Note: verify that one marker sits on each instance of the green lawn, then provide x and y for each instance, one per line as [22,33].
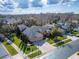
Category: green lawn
[31,49]
[35,54]
[50,41]
[17,41]
[10,49]
[68,40]
[60,38]
[75,33]
[59,44]
[62,42]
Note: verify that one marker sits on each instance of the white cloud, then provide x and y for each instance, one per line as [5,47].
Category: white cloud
[68,5]
[23,11]
[30,0]
[18,10]
[73,0]
[7,2]
[67,2]
[44,2]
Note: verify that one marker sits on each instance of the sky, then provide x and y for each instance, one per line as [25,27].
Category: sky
[38,6]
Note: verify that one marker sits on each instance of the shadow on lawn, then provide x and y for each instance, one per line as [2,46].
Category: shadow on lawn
[23,46]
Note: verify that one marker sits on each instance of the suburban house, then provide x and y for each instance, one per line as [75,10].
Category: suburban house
[47,28]
[3,37]
[33,33]
[22,27]
[63,27]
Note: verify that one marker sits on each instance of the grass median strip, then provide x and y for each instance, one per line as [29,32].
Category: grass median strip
[10,49]
[35,54]
[75,33]
[50,41]
[68,40]
[31,49]
[60,38]
[62,42]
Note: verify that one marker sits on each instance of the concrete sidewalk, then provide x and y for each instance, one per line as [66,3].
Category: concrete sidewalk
[74,56]
[45,47]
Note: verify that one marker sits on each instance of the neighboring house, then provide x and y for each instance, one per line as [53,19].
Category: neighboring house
[33,33]
[9,20]
[36,28]
[63,27]
[47,28]
[22,27]
[2,36]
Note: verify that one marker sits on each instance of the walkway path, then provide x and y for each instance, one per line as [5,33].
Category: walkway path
[33,52]
[44,46]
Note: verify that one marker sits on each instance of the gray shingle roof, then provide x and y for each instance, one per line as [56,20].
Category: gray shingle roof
[33,33]
[22,27]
